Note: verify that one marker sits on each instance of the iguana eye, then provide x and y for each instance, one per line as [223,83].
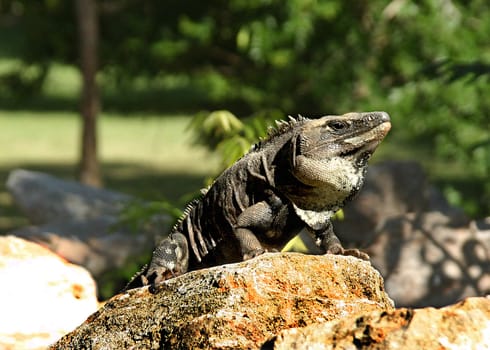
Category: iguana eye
[338,125]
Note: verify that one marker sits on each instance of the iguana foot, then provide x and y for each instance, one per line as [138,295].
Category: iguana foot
[327,240]
[337,249]
[356,253]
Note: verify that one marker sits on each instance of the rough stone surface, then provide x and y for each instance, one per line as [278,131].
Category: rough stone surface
[42,296]
[234,306]
[464,326]
[44,198]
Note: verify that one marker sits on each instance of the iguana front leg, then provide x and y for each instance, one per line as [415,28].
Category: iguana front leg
[329,242]
[259,218]
[256,216]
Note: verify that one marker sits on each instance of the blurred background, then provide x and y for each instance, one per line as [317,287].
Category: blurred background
[151,98]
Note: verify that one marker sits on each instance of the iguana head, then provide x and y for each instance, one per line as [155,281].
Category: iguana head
[329,156]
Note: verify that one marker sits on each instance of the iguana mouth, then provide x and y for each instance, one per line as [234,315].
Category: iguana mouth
[351,152]
[363,150]
[361,154]
[369,141]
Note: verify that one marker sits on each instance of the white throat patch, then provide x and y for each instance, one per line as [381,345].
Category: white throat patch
[317,220]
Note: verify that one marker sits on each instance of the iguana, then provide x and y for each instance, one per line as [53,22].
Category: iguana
[298,177]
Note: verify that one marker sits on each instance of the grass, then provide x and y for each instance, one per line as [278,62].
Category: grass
[149,156]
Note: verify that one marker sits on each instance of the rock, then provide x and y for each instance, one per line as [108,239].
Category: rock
[92,243]
[44,198]
[234,306]
[463,326]
[78,222]
[426,262]
[42,297]
[482,226]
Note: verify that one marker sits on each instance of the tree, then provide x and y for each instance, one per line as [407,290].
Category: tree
[86,13]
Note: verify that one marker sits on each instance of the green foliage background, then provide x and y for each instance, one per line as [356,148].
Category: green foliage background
[426,62]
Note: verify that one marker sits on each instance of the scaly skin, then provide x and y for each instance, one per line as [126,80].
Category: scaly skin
[297,178]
